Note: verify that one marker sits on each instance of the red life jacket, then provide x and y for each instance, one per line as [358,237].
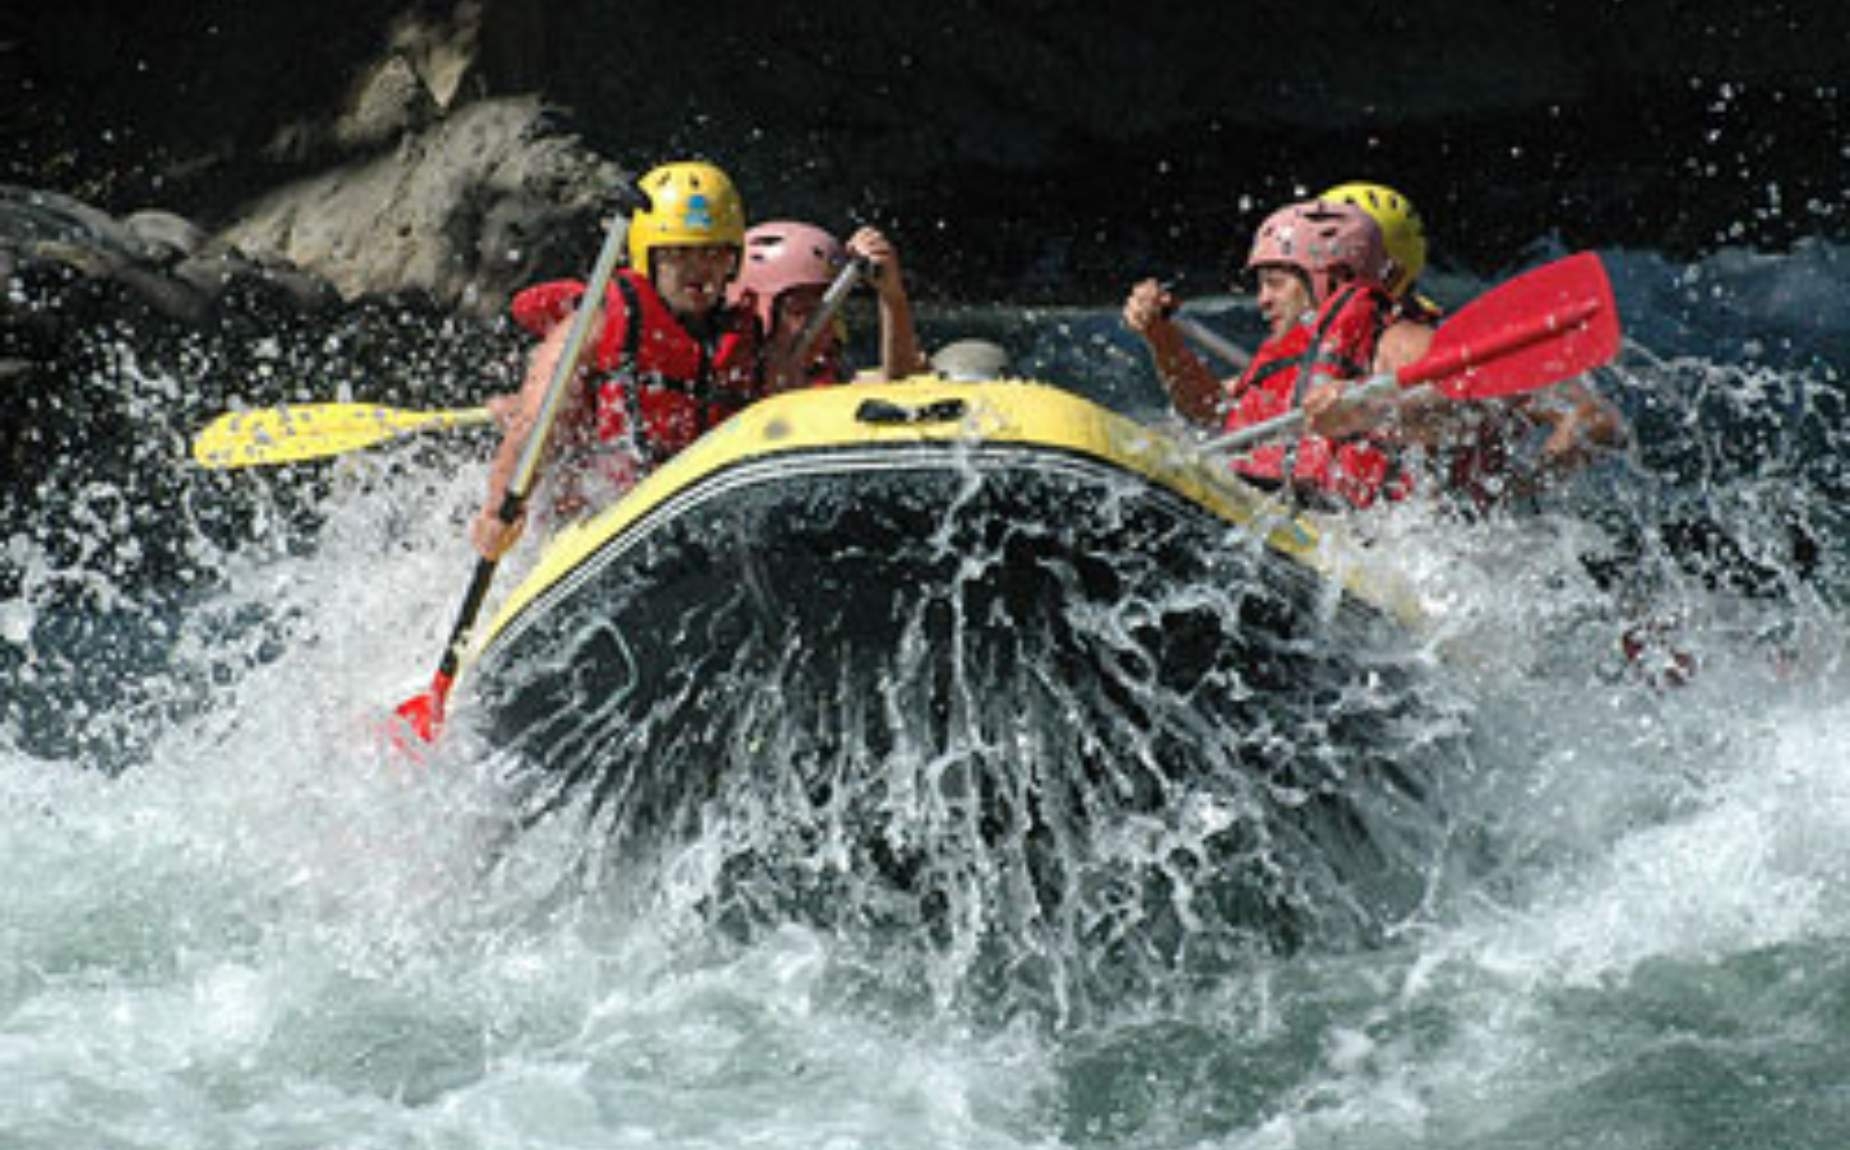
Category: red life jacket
[1338,344]
[655,387]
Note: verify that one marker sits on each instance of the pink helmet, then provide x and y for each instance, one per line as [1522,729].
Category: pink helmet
[782,255]
[1321,238]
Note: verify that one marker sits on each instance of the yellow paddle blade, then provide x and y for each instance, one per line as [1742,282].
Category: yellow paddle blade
[290,434]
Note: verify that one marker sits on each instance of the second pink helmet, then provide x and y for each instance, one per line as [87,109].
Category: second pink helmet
[1321,239]
[782,255]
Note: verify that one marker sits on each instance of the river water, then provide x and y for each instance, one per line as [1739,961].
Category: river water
[231,915]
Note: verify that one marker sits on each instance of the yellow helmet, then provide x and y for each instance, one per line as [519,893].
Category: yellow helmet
[1400,225]
[690,204]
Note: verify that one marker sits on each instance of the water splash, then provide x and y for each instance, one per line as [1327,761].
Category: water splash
[1036,761]
[231,916]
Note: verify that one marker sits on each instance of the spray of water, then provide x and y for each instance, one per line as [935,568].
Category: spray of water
[975,906]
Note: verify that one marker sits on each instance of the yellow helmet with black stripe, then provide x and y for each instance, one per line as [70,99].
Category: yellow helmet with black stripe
[691,203]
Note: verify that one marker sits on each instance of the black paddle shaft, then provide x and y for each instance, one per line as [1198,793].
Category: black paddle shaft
[509,512]
[465,618]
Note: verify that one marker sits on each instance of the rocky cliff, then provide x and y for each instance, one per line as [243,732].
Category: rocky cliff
[1015,148]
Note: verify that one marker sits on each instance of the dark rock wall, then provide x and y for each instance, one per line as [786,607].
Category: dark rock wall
[1014,147]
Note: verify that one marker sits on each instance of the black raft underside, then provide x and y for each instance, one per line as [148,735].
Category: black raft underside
[882,683]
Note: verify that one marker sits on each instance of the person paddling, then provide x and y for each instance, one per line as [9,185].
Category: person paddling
[787,268]
[1469,447]
[1320,267]
[668,359]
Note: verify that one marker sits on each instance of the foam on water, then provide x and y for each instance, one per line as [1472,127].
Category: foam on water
[266,928]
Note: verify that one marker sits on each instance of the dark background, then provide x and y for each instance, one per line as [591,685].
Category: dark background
[1021,150]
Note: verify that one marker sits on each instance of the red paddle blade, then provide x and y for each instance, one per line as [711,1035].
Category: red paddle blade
[1540,328]
[424,713]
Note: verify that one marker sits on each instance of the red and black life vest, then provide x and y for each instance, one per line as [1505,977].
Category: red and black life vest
[655,387]
[1339,343]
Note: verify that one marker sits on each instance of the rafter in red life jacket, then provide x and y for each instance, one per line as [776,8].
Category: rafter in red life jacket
[1339,343]
[654,386]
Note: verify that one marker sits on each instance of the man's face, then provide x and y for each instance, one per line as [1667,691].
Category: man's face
[1283,297]
[692,280]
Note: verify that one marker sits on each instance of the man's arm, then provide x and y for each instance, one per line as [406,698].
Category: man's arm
[1193,389]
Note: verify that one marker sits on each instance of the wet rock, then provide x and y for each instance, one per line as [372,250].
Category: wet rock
[391,100]
[1005,145]
[210,271]
[154,256]
[169,236]
[111,359]
[486,200]
[63,225]
[441,50]
[166,295]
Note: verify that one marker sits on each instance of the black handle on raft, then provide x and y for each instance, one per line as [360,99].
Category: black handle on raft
[881,411]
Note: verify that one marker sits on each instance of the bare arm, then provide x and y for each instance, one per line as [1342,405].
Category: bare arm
[492,537]
[1402,344]
[1420,415]
[1193,388]
[899,342]
[1579,419]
